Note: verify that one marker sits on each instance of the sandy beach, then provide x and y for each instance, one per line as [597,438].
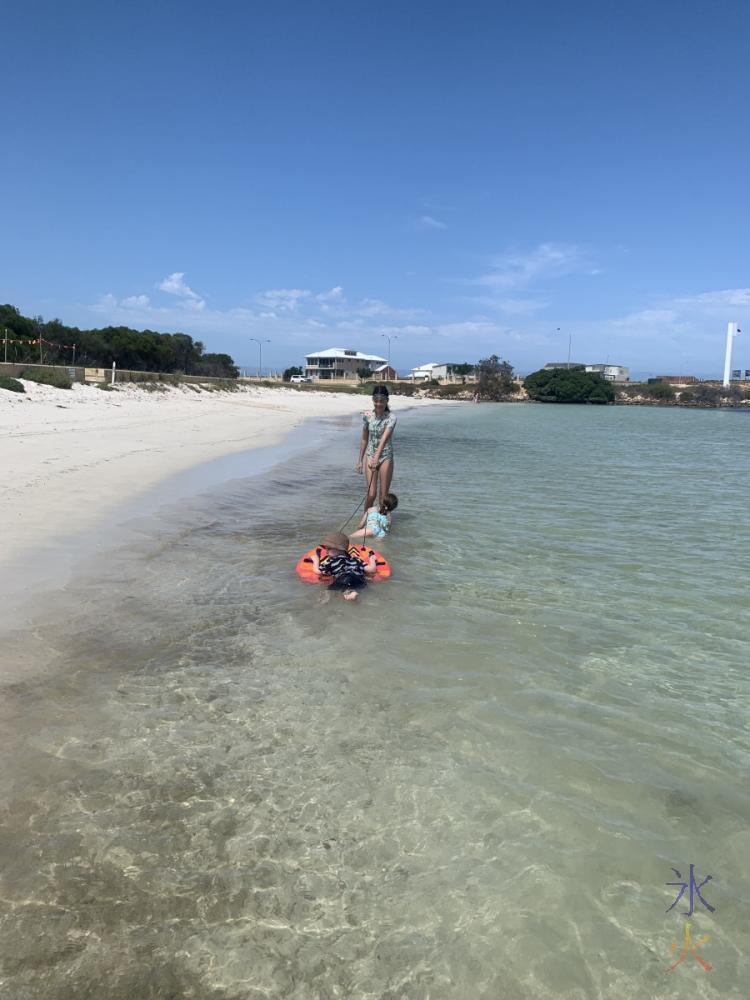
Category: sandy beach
[71,458]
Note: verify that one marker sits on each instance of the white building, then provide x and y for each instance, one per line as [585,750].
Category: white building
[340,363]
[424,372]
[612,373]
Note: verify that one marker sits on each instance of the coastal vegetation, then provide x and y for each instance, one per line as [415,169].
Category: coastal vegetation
[568,385]
[34,340]
[701,394]
[495,379]
[58,378]
[11,384]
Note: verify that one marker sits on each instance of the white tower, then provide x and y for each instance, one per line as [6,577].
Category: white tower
[732,331]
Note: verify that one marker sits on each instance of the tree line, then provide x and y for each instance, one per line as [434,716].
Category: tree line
[139,350]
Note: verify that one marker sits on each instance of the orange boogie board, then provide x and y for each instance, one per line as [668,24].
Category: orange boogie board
[306,572]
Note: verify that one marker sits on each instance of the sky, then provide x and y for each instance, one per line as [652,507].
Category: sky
[465,179]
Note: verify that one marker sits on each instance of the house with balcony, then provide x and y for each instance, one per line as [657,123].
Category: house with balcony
[340,363]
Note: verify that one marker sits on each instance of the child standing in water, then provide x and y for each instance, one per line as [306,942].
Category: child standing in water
[376,522]
[349,572]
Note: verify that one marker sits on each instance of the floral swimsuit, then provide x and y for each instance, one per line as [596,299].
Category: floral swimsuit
[376,428]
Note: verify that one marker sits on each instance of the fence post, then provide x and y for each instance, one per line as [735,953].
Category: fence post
[114,366]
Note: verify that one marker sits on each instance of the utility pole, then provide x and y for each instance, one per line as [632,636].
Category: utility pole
[260,344]
[6,344]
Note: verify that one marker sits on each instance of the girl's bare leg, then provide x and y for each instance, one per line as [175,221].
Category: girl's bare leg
[372,485]
[385,475]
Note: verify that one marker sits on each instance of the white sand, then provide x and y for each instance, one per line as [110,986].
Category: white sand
[69,458]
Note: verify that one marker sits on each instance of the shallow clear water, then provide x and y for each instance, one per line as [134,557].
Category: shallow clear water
[474,783]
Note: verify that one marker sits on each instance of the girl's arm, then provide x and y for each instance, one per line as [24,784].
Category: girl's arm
[371,565]
[316,563]
[363,519]
[362,448]
[387,434]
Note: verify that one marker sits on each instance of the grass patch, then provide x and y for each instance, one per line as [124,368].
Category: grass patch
[11,384]
[152,386]
[44,376]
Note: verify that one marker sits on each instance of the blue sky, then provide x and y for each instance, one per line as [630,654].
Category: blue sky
[467,178]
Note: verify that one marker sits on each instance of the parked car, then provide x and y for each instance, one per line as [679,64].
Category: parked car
[300,378]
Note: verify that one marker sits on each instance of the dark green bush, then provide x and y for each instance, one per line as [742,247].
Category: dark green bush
[57,378]
[687,397]
[12,384]
[562,385]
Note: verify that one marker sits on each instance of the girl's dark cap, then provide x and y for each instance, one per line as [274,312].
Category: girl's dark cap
[380,391]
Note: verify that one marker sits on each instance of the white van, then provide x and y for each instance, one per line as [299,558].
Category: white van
[300,378]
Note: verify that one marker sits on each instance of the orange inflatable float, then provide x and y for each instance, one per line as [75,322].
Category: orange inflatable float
[306,572]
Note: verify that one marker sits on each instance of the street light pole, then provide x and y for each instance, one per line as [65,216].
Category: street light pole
[389,338]
[570,341]
[260,344]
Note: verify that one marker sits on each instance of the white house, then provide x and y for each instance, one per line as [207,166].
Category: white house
[612,373]
[340,363]
[448,371]
[424,372]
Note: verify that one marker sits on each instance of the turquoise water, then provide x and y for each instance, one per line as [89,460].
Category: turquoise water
[474,783]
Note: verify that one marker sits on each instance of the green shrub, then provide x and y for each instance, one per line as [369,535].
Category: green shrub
[12,384]
[659,390]
[563,385]
[731,393]
[454,391]
[55,377]
[706,395]
[104,386]
[687,397]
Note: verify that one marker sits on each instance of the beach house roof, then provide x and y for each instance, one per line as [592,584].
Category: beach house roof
[342,352]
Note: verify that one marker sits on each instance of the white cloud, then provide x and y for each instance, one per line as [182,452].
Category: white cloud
[136,302]
[513,270]
[333,295]
[429,222]
[369,308]
[737,298]
[174,285]
[283,299]
[647,318]
[511,306]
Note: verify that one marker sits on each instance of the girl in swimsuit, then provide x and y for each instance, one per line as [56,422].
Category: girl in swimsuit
[376,522]
[376,446]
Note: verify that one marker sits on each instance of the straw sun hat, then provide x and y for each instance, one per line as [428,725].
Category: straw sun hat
[336,540]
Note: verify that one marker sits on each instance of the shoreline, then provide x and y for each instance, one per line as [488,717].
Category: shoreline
[81,463]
